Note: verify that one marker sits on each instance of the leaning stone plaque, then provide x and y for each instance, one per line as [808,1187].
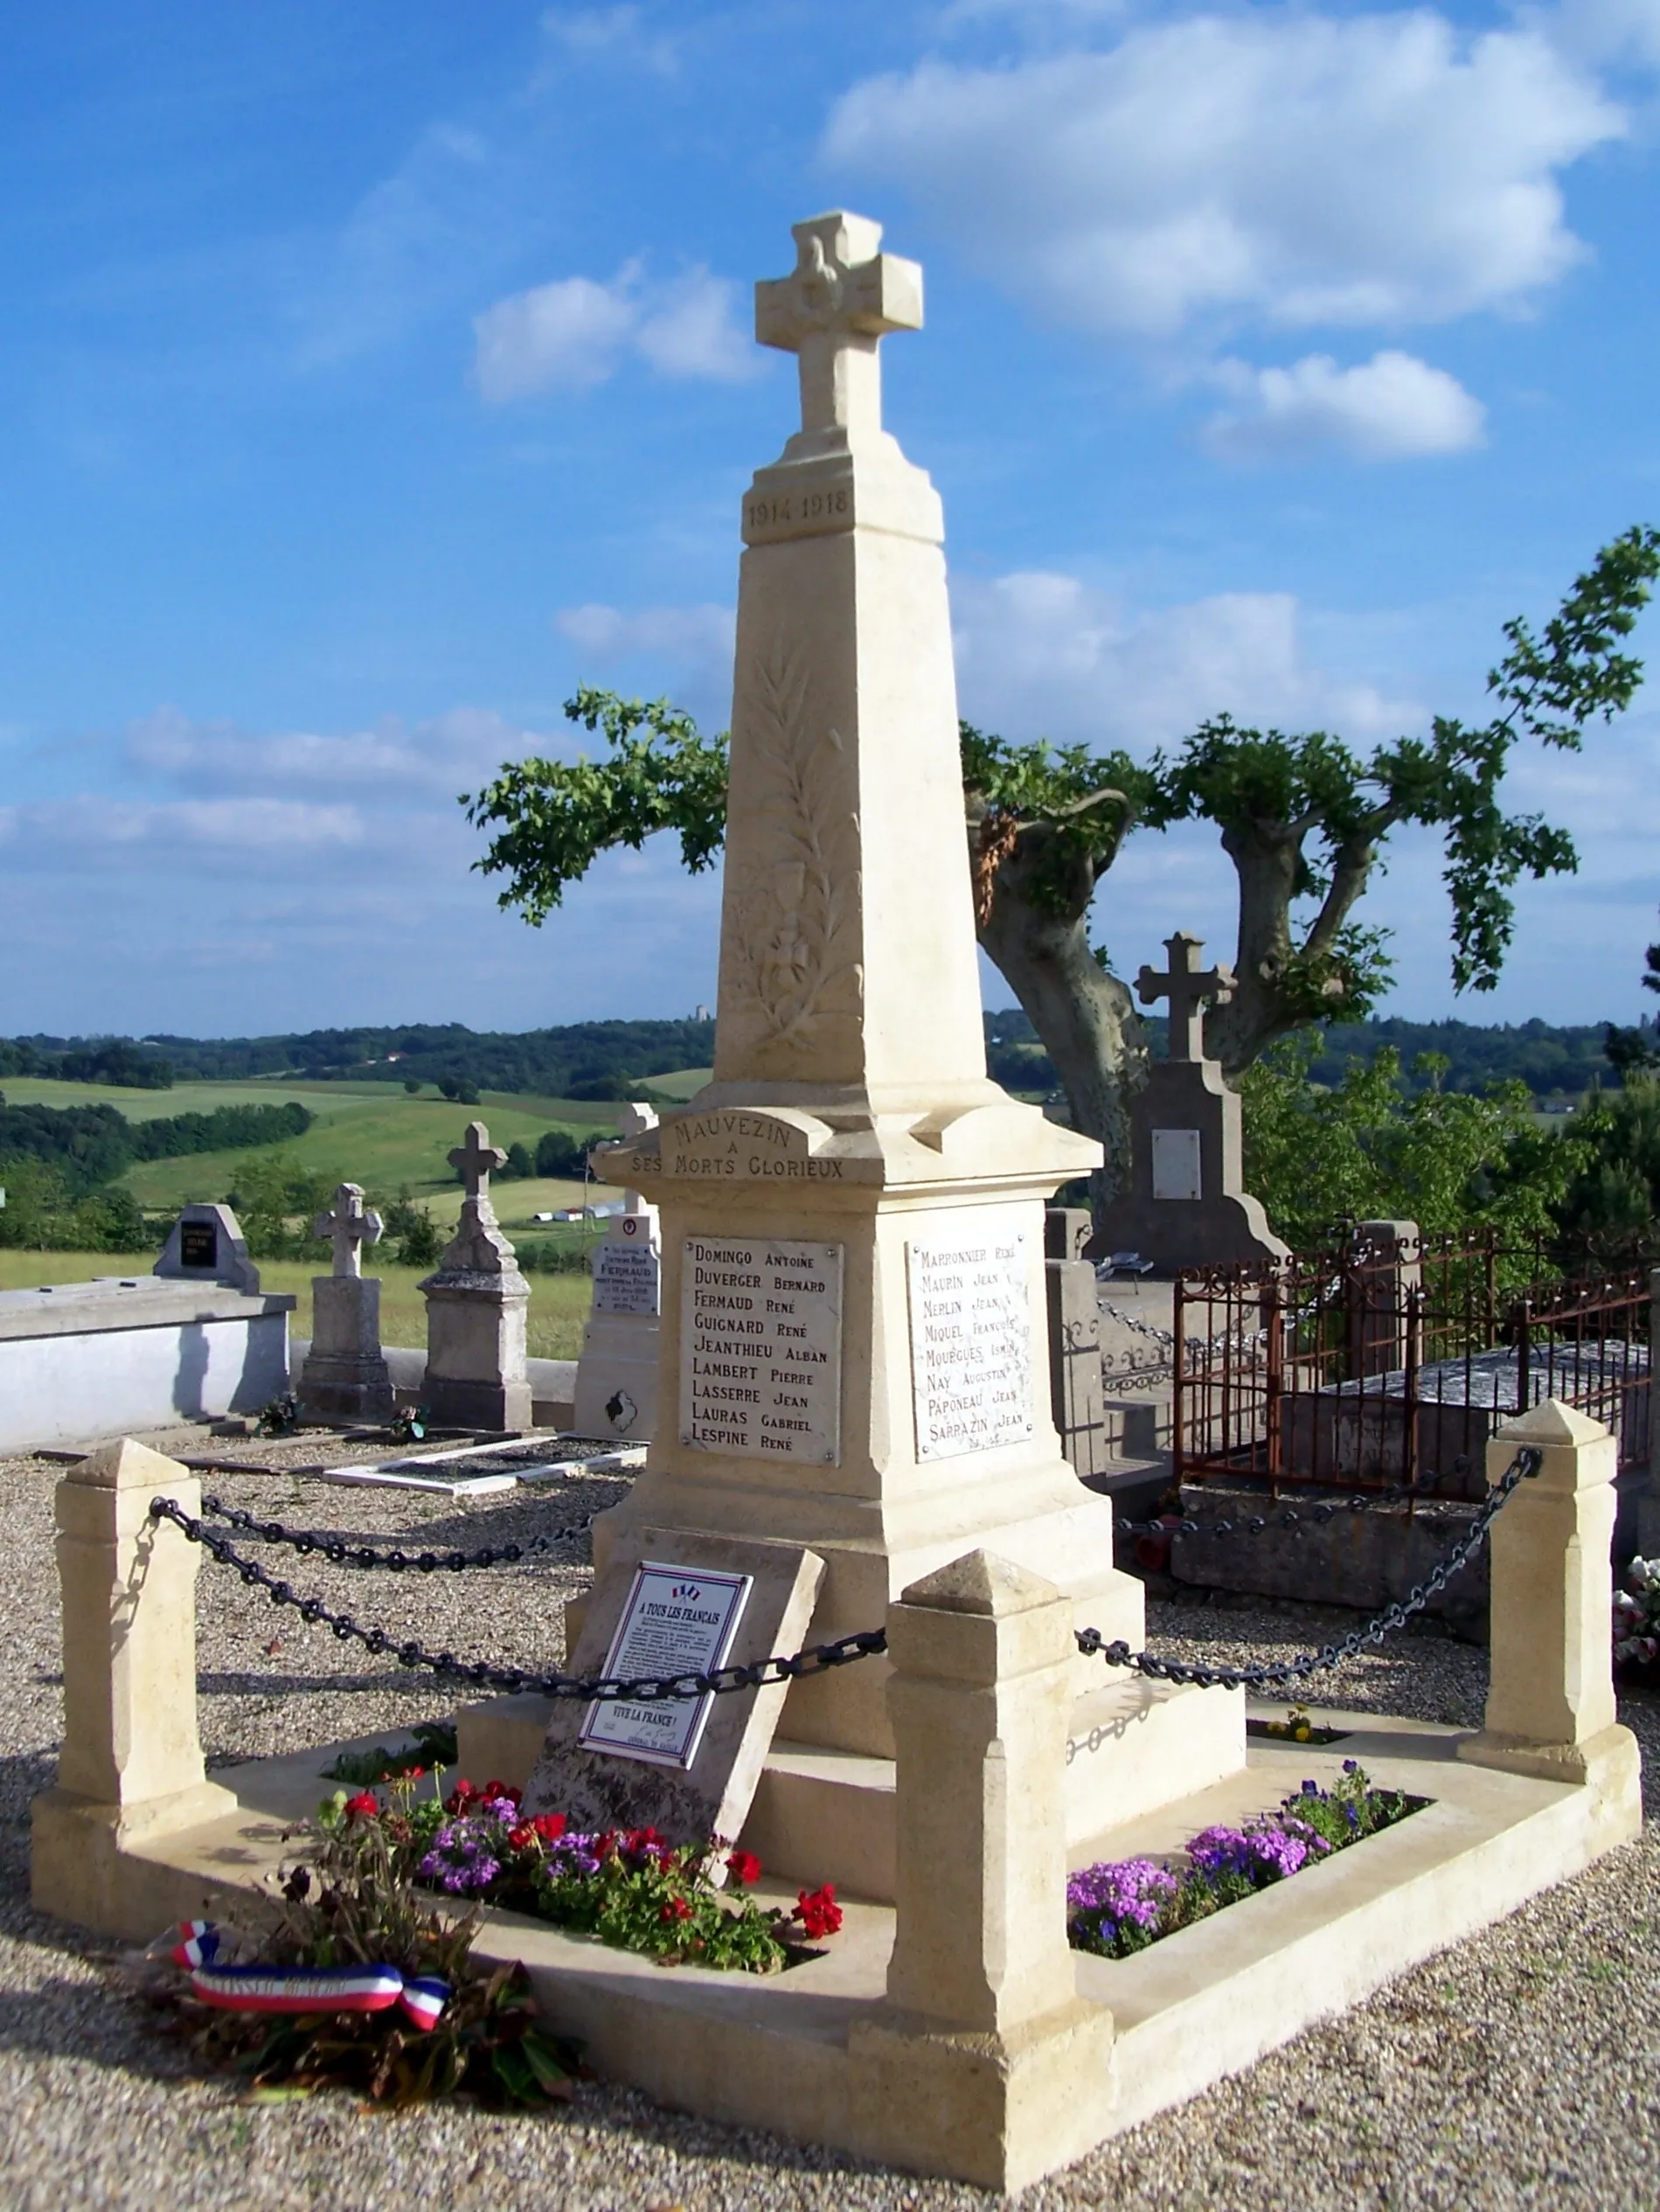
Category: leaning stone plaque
[970,1342]
[677,1620]
[761,1346]
[1176,1163]
[697,1775]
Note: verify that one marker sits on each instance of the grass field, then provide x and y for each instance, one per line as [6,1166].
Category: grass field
[558,1303]
[374,1134]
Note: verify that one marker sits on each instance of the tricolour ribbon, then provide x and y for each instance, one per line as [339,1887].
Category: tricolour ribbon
[304,1989]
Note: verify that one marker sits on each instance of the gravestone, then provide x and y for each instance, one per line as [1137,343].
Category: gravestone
[206,1245]
[476,1372]
[344,1377]
[854,1352]
[1076,1397]
[1184,1203]
[669,1604]
[616,1376]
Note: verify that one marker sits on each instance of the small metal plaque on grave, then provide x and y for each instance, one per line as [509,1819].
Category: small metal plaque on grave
[1176,1163]
[626,1277]
[198,1244]
[678,1620]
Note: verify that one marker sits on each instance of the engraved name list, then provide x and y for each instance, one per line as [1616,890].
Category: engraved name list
[761,1346]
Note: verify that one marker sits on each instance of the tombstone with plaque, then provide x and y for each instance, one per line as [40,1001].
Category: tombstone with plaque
[1184,1202]
[206,1245]
[477,1372]
[616,1375]
[345,1376]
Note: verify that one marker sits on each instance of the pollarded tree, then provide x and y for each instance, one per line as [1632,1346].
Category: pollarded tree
[1302,818]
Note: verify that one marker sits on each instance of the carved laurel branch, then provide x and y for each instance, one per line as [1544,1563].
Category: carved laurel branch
[797,912]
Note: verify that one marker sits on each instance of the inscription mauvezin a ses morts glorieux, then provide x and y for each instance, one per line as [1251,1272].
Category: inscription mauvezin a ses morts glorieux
[761,1346]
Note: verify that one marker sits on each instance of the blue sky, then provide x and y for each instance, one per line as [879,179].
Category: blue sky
[374,375]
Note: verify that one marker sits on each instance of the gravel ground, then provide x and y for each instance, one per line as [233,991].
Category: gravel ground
[1522,2068]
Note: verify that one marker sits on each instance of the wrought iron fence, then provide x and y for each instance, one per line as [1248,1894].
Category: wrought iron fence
[1392,1361]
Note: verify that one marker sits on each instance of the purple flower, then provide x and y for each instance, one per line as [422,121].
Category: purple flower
[461,1858]
[1120,1891]
[1254,1854]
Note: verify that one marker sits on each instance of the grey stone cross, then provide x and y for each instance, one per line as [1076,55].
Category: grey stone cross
[474,1158]
[348,1227]
[840,299]
[1187,988]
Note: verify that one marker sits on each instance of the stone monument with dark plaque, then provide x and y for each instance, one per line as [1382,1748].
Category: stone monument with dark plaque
[669,1604]
[1184,1203]
[206,1245]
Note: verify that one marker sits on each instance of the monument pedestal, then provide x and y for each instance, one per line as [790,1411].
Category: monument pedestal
[477,1372]
[345,1377]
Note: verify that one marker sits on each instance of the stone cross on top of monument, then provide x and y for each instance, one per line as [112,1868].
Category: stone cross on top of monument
[475,1159]
[839,301]
[348,1227]
[1187,987]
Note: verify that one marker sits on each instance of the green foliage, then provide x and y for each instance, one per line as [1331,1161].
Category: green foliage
[560,1156]
[412,1084]
[410,1232]
[90,1145]
[459,1089]
[276,1200]
[1085,806]
[558,817]
[1609,1210]
[433,1746]
[520,1163]
[115,1060]
[1369,1149]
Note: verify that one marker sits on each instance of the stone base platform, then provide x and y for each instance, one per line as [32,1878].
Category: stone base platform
[794,2053]
[822,1815]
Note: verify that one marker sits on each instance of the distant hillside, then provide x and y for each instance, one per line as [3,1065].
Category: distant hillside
[1551,1062]
[604,1059]
[593,1060]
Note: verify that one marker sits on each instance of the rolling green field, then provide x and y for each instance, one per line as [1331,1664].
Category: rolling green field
[374,1134]
[558,1303]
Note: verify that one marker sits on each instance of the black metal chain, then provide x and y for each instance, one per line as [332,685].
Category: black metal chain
[339,1553]
[1290,1521]
[1090,1641]
[819,1659]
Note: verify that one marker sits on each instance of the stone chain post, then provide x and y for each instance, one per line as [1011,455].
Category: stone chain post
[1550,1701]
[130,1768]
[982,2059]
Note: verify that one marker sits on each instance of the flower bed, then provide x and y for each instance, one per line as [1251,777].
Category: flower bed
[627,1887]
[1120,1906]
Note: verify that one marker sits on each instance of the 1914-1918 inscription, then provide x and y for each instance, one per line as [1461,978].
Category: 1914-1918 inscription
[970,1342]
[761,1346]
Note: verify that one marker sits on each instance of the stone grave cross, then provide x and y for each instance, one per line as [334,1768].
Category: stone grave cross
[475,1159]
[839,301]
[1187,986]
[348,1227]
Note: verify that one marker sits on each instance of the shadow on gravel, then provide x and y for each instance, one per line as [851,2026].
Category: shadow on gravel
[302,1685]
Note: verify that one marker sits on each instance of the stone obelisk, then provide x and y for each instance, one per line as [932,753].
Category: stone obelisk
[853,1352]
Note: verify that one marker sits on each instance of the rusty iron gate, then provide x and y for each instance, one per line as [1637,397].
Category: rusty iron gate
[1390,1363]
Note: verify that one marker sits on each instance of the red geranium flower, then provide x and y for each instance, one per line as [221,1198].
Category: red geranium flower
[549,1826]
[460,1798]
[677,1908]
[818,1911]
[744,1867]
[364,1806]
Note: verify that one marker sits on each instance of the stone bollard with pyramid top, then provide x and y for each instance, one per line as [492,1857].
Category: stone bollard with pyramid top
[477,1362]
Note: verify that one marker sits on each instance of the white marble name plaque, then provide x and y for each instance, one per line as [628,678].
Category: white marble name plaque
[1176,1163]
[626,1277]
[970,1342]
[761,1346]
[678,1620]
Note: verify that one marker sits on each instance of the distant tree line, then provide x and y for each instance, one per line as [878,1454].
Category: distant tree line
[1550,1061]
[91,1145]
[115,1060]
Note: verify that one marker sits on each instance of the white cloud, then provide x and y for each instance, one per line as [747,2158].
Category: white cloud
[395,760]
[573,334]
[1044,655]
[51,830]
[673,633]
[1392,407]
[1280,166]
